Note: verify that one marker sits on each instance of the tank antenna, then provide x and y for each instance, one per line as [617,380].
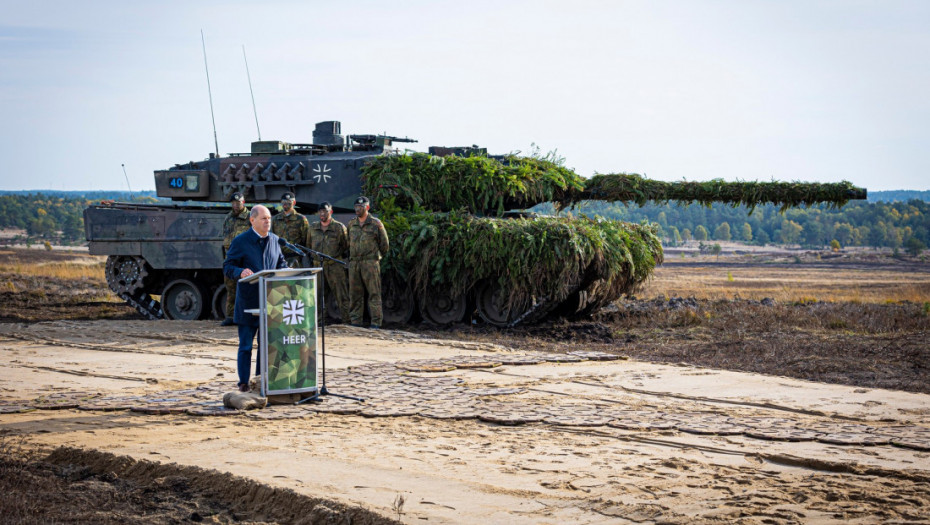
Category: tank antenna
[248,76]
[209,92]
[127,181]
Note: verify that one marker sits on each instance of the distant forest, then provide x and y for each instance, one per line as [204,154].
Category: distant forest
[894,219]
[882,224]
[55,215]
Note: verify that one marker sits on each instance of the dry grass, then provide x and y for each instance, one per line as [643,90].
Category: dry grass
[789,283]
[64,265]
[40,285]
[77,269]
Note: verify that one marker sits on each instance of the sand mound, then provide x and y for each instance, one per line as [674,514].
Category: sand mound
[241,497]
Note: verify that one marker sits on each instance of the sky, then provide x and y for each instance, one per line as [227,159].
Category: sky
[676,90]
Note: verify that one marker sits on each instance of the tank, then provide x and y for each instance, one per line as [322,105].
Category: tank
[463,243]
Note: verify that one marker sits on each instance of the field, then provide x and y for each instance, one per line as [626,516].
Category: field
[835,346]
[862,277]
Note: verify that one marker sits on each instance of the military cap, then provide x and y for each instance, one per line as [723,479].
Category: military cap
[361,200]
[326,205]
[288,196]
[237,196]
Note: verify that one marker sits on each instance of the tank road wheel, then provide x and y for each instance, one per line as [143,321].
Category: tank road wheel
[125,274]
[397,302]
[219,302]
[441,308]
[491,302]
[184,300]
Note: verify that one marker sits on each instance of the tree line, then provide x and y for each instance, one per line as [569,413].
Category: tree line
[59,217]
[896,225]
[55,216]
[860,223]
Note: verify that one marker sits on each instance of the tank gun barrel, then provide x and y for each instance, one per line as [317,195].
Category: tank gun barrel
[631,187]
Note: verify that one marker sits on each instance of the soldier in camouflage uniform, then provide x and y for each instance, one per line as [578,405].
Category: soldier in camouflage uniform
[236,222]
[329,236]
[368,243]
[290,225]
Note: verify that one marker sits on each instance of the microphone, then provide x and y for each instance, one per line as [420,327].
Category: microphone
[285,244]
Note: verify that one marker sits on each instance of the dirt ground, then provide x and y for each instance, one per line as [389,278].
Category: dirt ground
[654,411]
[580,441]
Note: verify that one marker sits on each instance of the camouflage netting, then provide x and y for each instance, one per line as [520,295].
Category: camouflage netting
[477,184]
[486,185]
[630,187]
[549,257]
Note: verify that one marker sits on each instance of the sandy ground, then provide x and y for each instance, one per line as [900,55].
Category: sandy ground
[542,442]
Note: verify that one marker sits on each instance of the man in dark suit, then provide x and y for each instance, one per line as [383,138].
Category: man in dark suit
[253,251]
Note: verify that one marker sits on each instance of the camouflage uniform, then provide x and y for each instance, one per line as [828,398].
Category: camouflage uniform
[233,226]
[368,243]
[334,241]
[292,228]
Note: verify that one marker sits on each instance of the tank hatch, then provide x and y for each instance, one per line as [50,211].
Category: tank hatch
[265,147]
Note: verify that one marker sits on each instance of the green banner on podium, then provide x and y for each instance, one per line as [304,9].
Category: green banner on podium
[291,330]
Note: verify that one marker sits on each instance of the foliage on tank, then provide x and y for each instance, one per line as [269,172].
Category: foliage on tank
[483,184]
[631,187]
[531,258]
[477,184]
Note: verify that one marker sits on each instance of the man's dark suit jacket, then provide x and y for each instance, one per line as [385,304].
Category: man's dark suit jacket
[245,251]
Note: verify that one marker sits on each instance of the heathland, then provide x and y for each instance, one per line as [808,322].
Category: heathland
[750,387]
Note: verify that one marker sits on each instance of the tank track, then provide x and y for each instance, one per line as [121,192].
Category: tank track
[144,304]
[126,277]
[535,313]
[126,274]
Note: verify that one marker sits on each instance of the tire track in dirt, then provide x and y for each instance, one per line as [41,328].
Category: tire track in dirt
[702,399]
[79,373]
[103,348]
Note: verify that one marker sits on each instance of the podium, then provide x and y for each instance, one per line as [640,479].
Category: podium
[289,341]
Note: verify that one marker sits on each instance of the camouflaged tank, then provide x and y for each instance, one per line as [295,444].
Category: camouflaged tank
[463,244]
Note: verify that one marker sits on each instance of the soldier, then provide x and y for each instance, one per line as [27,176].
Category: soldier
[236,222]
[329,236]
[290,225]
[368,243]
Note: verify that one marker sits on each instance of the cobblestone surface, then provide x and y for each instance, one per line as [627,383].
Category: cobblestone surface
[422,388]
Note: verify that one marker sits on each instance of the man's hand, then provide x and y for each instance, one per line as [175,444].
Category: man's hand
[245,273]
